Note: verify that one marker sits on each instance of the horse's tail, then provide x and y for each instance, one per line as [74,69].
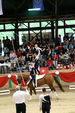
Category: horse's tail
[60,86]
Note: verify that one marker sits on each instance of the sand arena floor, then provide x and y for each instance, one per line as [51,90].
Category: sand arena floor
[65,104]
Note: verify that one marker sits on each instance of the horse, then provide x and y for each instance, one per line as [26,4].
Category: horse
[46,79]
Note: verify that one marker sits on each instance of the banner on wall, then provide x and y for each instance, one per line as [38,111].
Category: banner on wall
[38,4]
[43,70]
[66,67]
[65,76]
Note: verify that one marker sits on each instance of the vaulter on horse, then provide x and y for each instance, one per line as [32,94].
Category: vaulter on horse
[33,66]
[32,73]
[36,58]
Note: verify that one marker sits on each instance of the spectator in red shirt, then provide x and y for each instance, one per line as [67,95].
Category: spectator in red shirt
[50,64]
[60,47]
[18,53]
[55,56]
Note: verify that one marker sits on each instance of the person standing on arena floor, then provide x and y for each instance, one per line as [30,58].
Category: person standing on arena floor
[19,98]
[45,102]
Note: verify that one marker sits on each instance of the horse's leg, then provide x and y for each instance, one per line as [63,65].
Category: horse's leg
[30,94]
[56,94]
[53,89]
[34,90]
[60,86]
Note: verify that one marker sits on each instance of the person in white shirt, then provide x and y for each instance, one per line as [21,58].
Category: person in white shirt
[19,98]
[45,103]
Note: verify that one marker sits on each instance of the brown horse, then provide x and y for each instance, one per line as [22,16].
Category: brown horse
[47,79]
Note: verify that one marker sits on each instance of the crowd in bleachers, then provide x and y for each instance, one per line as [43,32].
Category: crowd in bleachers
[51,55]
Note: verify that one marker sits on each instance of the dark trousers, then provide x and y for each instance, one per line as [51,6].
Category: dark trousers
[32,73]
[36,67]
[45,108]
[21,108]
[33,78]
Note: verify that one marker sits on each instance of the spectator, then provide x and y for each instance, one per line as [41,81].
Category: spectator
[64,50]
[44,53]
[6,58]
[55,59]
[7,42]
[12,54]
[50,64]
[72,55]
[6,51]
[4,42]
[71,46]
[18,53]
[55,56]
[66,59]
[61,58]
[52,53]
[59,39]
[66,44]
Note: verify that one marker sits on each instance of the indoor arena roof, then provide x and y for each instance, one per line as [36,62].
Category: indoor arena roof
[19,9]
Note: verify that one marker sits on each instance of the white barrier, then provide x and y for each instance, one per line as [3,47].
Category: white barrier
[39,89]
[4,92]
[71,86]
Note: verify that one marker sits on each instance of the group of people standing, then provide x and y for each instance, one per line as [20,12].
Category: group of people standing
[19,98]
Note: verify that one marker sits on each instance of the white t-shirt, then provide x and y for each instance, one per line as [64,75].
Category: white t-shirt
[19,96]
